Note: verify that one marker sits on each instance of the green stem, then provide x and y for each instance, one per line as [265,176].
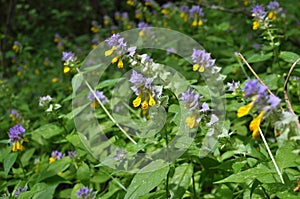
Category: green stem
[271,156]
[243,69]
[105,110]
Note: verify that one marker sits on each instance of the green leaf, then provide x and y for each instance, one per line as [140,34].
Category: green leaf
[48,131]
[289,57]
[259,58]
[76,81]
[9,162]
[285,157]
[249,175]
[26,156]
[161,194]
[148,178]
[39,190]
[107,83]
[181,180]
[83,173]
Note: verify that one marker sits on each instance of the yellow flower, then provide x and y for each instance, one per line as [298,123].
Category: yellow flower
[66,69]
[195,67]
[244,110]
[115,59]
[110,51]
[255,123]
[137,101]
[52,159]
[165,11]
[194,22]
[145,104]
[37,71]
[246,2]
[200,22]
[17,146]
[94,29]
[255,25]
[15,48]
[141,33]
[120,63]
[191,121]
[130,2]
[54,80]
[272,15]
[201,69]
[152,102]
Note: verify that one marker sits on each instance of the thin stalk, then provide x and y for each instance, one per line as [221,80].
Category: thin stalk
[271,156]
[243,68]
[106,111]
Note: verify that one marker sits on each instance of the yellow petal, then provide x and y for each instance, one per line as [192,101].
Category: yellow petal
[201,69]
[200,22]
[194,23]
[152,102]
[141,33]
[109,52]
[19,146]
[114,60]
[137,101]
[66,69]
[145,105]
[190,121]
[255,123]
[14,147]
[244,110]
[255,134]
[195,67]
[120,63]
[255,25]
[52,159]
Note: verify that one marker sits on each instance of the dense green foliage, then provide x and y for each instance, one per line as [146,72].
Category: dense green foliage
[51,157]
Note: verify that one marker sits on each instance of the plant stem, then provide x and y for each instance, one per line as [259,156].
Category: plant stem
[105,110]
[271,156]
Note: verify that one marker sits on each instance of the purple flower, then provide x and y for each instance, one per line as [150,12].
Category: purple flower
[68,57]
[196,10]
[72,154]
[191,99]
[250,87]
[45,100]
[201,60]
[256,46]
[170,51]
[273,5]
[120,155]
[20,190]
[116,41]
[273,101]
[258,12]
[233,86]
[205,107]
[99,95]
[142,25]
[124,16]
[16,133]
[131,51]
[85,193]
[184,8]
[56,155]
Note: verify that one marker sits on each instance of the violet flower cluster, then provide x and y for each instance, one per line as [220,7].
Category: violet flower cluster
[192,103]
[16,136]
[260,100]
[86,193]
[202,60]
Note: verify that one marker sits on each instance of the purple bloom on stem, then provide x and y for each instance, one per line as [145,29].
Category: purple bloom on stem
[142,25]
[201,60]
[20,190]
[191,99]
[274,101]
[184,8]
[258,11]
[72,154]
[196,10]
[233,86]
[85,193]
[99,95]
[250,87]
[256,46]
[57,155]
[131,51]
[16,133]
[170,51]
[273,5]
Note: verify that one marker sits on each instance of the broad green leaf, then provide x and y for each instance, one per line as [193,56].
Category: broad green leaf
[83,173]
[77,81]
[161,194]
[9,162]
[27,156]
[248,175]
[39,190]
[289,57]
[148,178]
[259,58]
[285,157]
[48,131]
[181,180]
[108,83]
